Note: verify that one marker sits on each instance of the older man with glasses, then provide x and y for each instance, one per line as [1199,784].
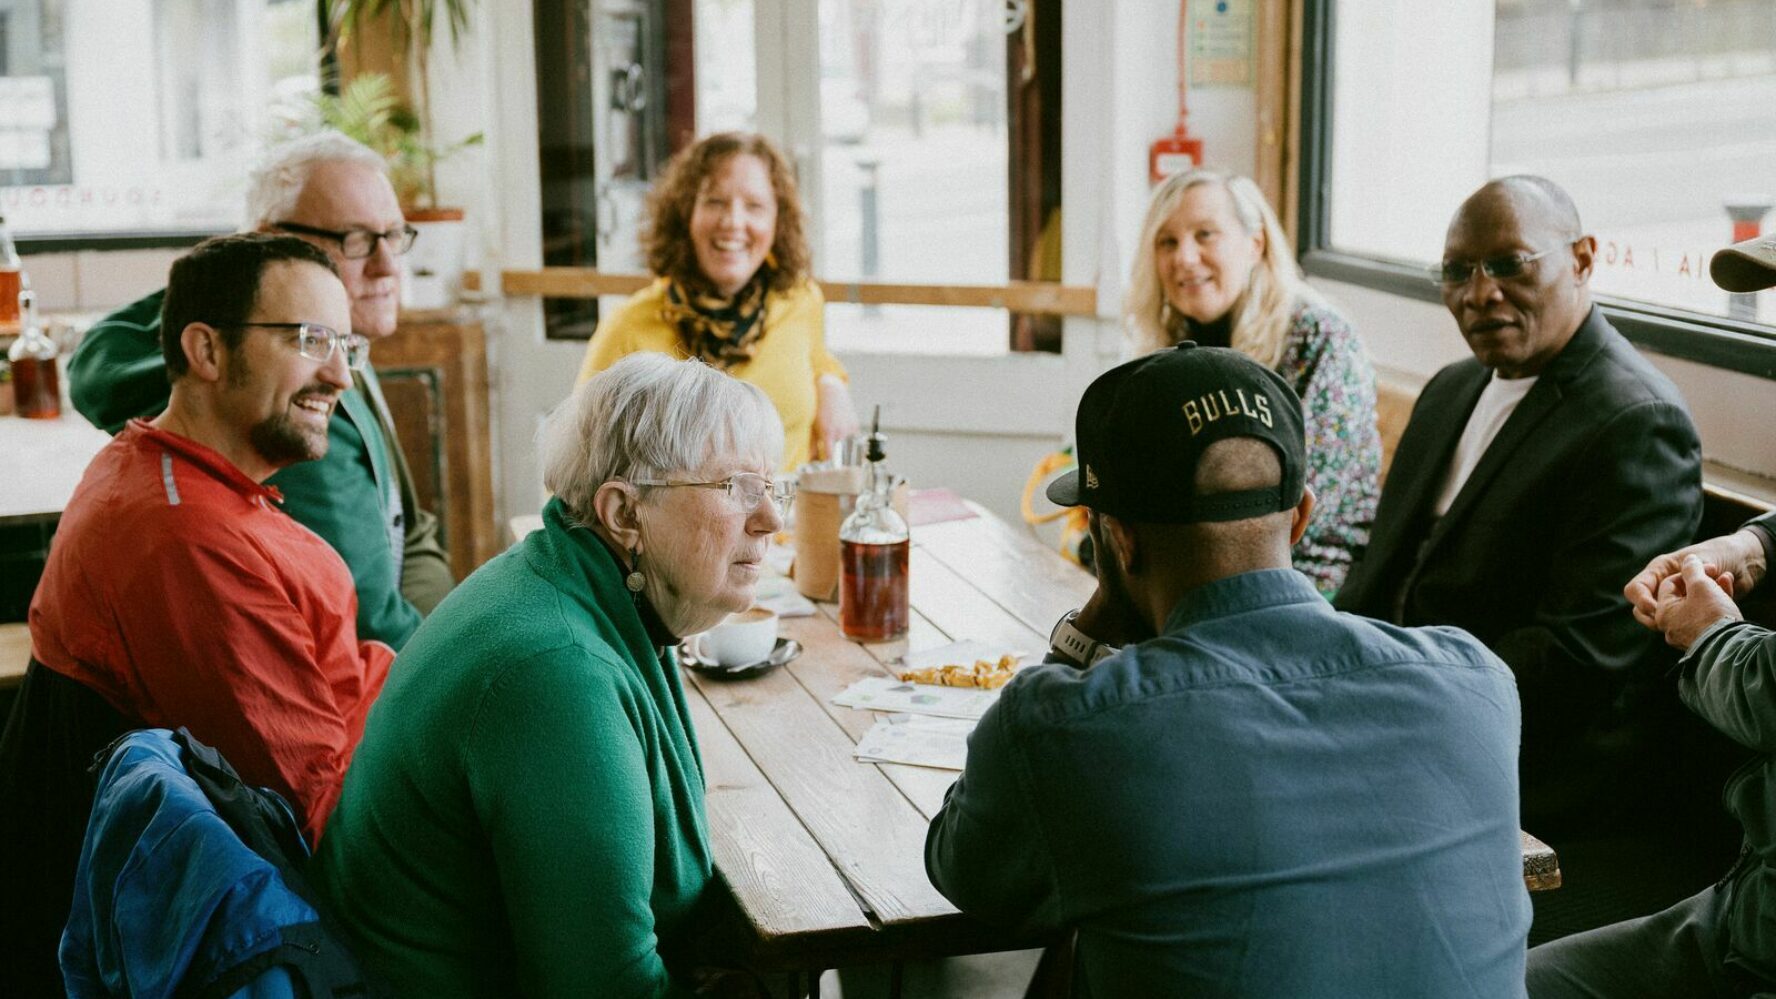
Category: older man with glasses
[1530,481]
[178,594]
[334,193]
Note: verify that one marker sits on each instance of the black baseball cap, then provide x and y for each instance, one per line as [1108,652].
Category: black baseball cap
[1747,266]
[1143,425]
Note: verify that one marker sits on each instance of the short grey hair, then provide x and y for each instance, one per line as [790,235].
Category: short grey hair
[651,417]
[278,179]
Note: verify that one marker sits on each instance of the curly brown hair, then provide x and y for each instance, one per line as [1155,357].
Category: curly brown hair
[666,238]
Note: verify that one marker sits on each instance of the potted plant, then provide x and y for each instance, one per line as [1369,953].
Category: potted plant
[369,110]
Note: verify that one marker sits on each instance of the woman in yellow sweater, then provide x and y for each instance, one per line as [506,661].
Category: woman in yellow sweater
[725,237]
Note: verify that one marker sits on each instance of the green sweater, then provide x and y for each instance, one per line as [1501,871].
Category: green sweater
[352,497]
[524,816]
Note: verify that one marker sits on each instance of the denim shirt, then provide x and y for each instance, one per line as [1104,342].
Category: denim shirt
[1271,798]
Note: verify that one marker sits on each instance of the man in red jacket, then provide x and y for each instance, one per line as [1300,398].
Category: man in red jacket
[176,589]
[177,593]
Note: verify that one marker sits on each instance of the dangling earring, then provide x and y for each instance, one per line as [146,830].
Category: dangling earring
[635,580]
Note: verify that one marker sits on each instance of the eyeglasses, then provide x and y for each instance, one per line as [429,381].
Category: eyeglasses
[356,244]
[745,489]
[1460,272]
[317,342]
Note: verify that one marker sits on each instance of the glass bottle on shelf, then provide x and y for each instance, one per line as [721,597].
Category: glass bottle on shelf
[12,281]
[873,547]
[37,390]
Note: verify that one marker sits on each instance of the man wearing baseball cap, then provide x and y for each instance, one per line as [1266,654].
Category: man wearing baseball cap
[1225,786]
[1722,941]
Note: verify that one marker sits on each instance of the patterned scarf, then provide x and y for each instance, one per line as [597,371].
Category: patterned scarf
[721,332]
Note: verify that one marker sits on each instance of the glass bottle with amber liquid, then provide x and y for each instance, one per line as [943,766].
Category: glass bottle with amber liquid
[873,546]
[12,281]
[37,391]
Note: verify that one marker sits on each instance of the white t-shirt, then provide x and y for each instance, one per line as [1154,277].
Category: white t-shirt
[1497,402]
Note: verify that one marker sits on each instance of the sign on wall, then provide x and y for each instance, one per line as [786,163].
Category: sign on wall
[1221,41]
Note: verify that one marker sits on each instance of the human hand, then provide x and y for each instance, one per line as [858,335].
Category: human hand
[1692,601]
[1740,555]
[835,418]
[1110,616]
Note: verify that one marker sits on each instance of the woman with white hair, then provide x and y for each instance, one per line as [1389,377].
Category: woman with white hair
[525,813]
[1214,266]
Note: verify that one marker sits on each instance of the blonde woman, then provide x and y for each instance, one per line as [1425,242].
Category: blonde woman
[1214,266]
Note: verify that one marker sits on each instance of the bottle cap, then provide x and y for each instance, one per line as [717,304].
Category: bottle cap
[876,439]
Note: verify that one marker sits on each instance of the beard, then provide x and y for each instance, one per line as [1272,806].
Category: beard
[282,441]
[278,439]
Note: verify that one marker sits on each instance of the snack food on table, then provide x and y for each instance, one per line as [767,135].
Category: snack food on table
[984,673]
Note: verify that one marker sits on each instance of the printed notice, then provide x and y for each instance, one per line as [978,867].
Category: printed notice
[916,740]
[885,693]
[1220,42]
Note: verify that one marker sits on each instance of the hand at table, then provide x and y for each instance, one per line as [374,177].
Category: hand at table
[835,418]
[1111,620]
[1111,615]
[1740,555]
[1692,601]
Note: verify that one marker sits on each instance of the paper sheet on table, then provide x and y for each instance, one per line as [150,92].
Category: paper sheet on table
[917,740]
[885,693]
[779,594]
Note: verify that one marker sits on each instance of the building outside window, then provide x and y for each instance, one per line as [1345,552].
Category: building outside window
[142,116]
[1654,114]
[909,166]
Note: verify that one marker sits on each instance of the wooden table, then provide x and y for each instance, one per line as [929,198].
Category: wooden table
[43,461]
[824,856]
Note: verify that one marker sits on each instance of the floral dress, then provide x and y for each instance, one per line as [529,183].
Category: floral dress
[1325,364]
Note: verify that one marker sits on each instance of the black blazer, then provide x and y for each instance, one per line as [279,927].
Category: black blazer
[1597,471]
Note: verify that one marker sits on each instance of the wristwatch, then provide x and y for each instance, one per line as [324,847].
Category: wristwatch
[1076,645]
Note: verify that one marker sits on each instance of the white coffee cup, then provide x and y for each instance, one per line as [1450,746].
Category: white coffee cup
[741,640]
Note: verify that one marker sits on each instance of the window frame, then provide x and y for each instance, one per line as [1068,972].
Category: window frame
[1733,345]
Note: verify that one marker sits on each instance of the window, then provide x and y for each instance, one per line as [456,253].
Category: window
[901,143]
[894,113]
[1653,114]
[727,84]
[913,172]
[142,116]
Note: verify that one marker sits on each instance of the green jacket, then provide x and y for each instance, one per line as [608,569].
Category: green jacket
[359,498]
[1727,677]
[524,816]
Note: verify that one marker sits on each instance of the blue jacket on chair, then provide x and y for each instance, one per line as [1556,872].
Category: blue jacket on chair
[169,898]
